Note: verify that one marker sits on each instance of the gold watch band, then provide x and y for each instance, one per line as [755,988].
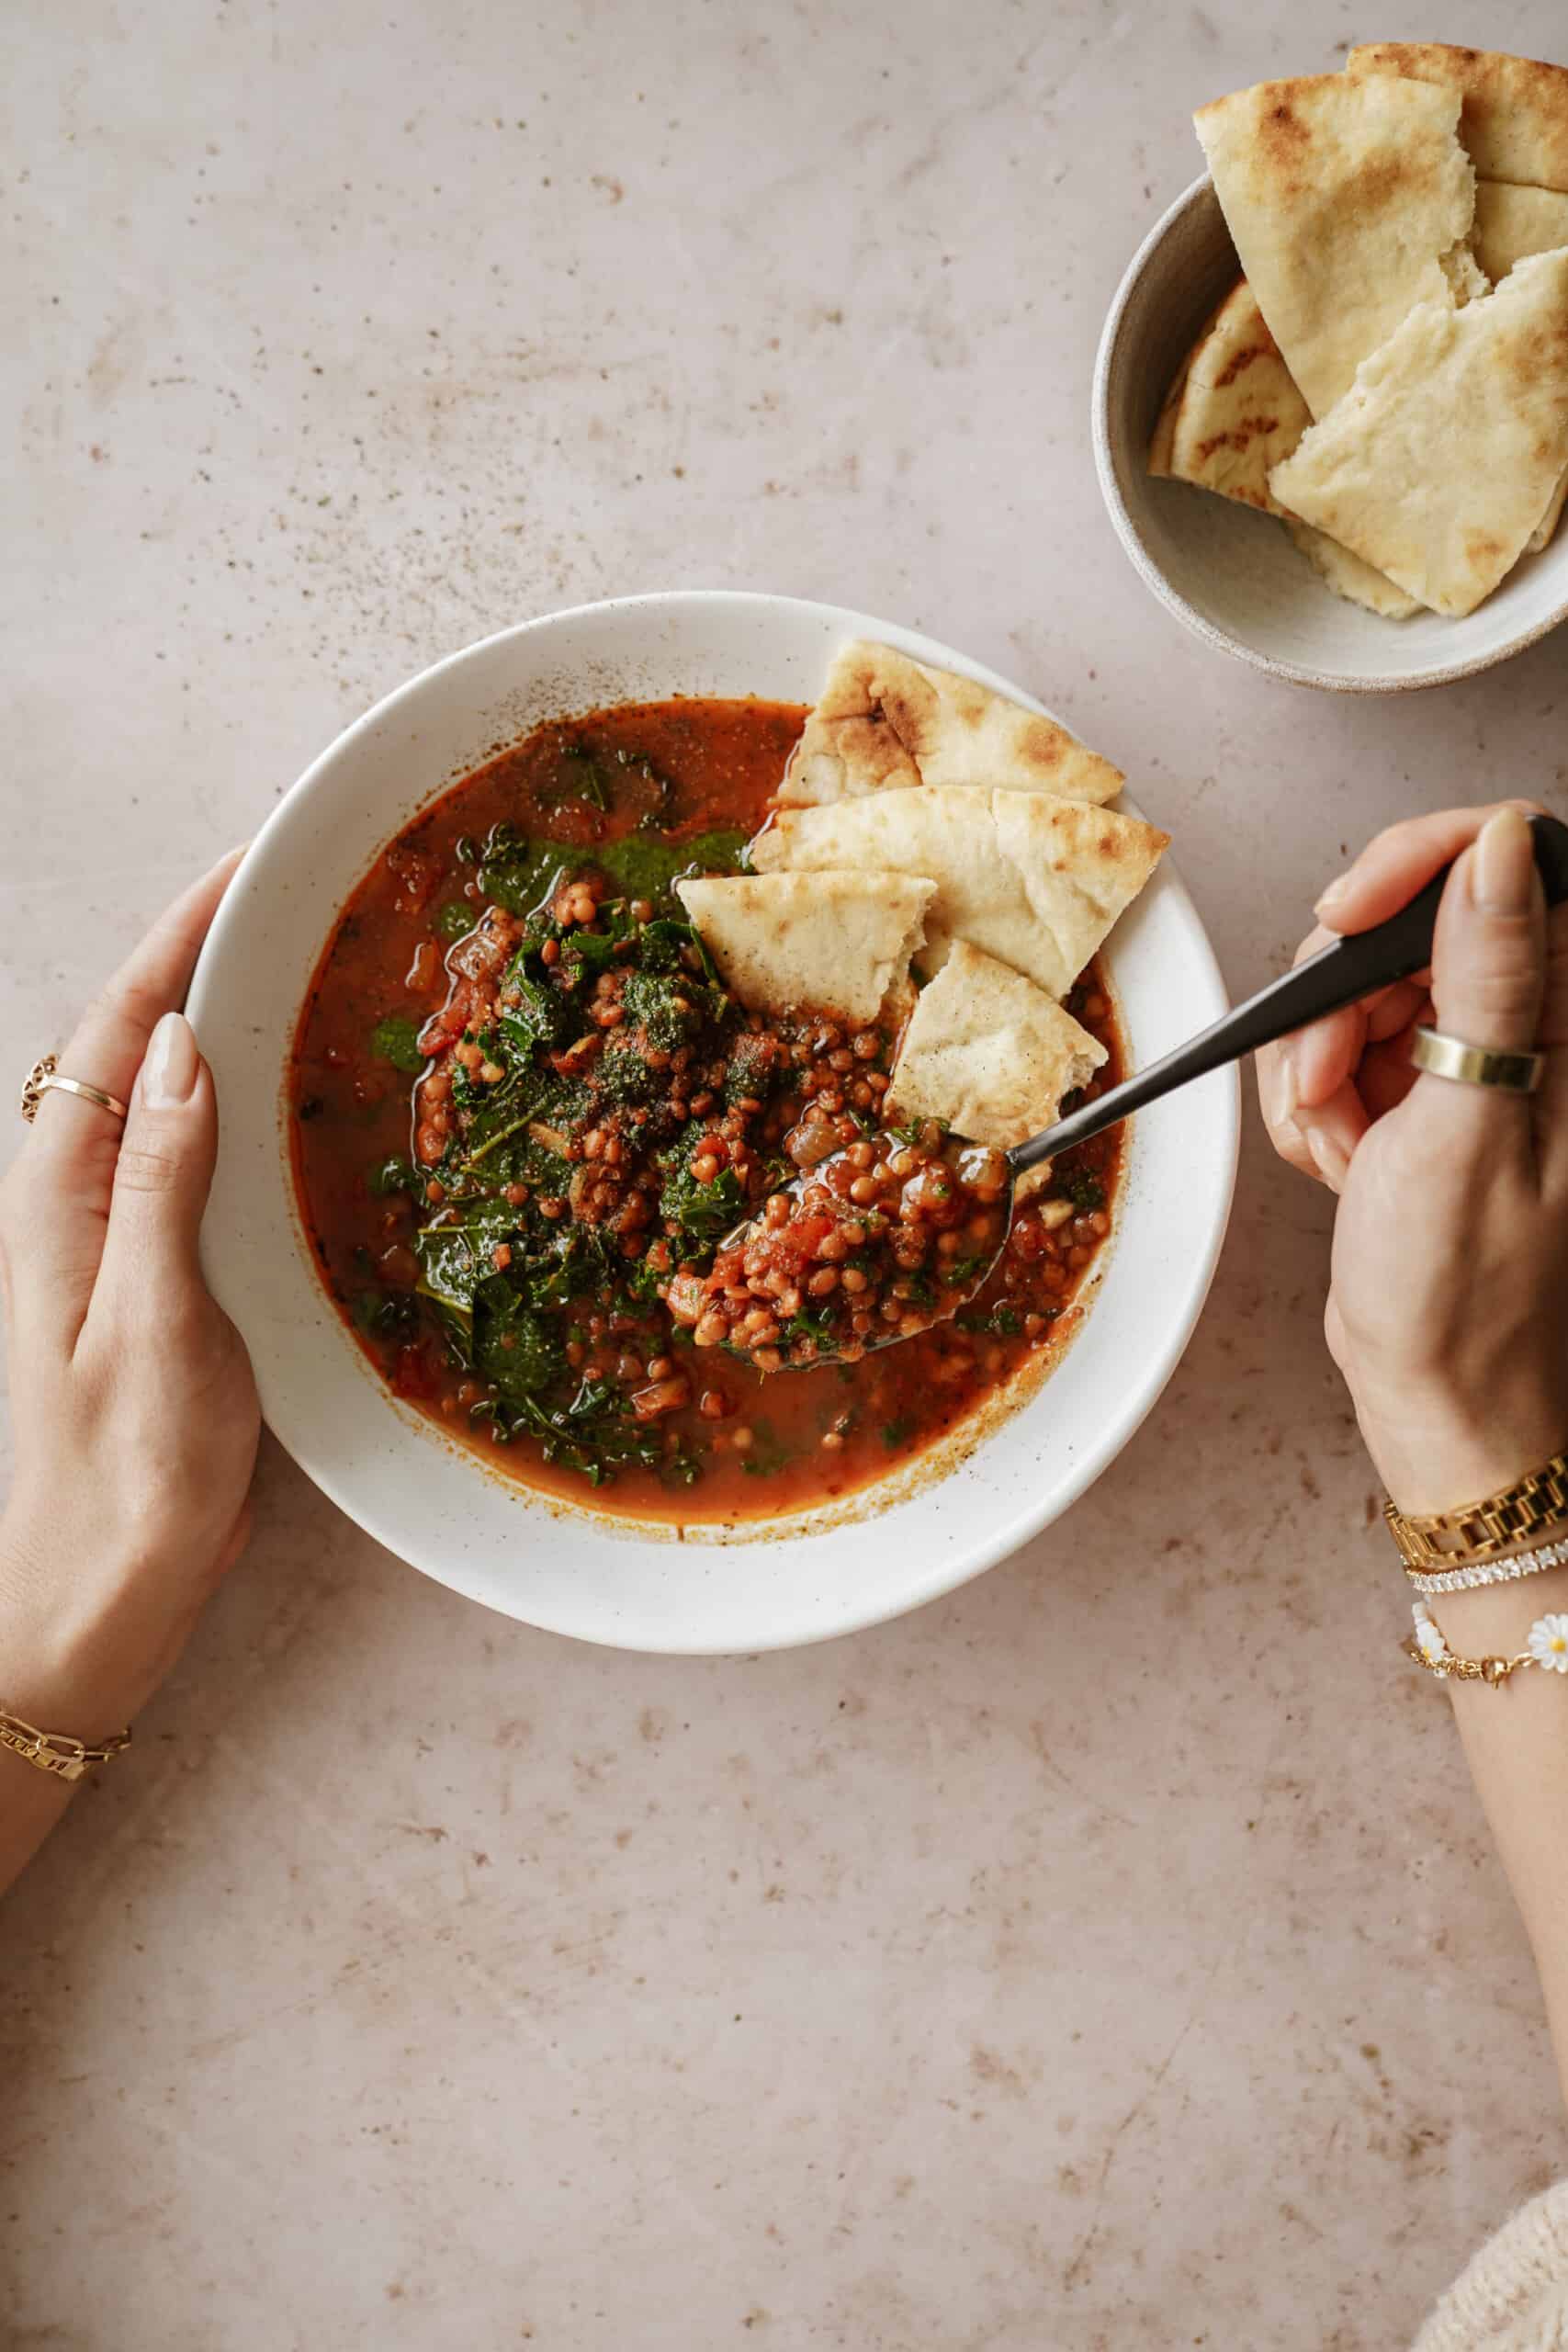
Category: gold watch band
[56,1752]
[1531,1507]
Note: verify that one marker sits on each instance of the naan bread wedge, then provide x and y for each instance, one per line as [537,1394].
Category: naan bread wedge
[989,1053]
[885,722]
[1349,576]
[1035,881]
[1439,466]
[837,943]
[1515,118]
[1513,222]
[1234,410]
[1345,196]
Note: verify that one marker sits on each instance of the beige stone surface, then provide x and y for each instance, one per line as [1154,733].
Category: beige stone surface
[1110,1956]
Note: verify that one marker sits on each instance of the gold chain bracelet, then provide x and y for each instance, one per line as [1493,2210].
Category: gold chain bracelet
[55,1751]
[1448,1539]
[1547,1647]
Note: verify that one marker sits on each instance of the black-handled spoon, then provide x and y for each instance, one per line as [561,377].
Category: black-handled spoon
[1337,976]
[769,1273]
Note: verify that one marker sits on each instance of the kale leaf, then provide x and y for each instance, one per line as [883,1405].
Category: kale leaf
[384,1314]
[586,781]
[646,868]
[515,1349]
[455,1252]
[668,1006]
[455,919]
[705,1211]
[543,1016]
[594,1435]
[577,1262]
[519,875]
[396,1040]
[1085,1192]
[394,1175]
[622,1076]
[809,1324]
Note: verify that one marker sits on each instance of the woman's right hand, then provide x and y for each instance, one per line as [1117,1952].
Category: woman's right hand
[1447,1312]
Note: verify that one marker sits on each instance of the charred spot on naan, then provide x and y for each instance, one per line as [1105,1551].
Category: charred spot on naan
[1285,138]
[1240,438]
[1264,347]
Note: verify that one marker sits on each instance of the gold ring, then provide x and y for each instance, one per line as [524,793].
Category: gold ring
[44,1074]
[1444,1056]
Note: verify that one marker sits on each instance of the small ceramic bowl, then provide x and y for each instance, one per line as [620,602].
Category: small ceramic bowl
[1231,574]
[759,1585]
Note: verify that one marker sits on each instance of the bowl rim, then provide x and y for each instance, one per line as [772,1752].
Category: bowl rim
[1144,1388]
[1106,466]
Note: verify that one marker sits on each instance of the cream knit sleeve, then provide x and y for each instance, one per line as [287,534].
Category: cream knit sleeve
[1514,2295]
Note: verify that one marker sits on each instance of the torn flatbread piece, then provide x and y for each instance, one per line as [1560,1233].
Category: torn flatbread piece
[988,1053]
[1511,223]
[885,722]
[836,943]
[1439,464]
[1349,576]
[1344,198]
[1515,118]
[1234,410]
[1035,881]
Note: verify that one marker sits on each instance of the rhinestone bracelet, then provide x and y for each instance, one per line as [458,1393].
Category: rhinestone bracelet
[1546,1646]
[1523,1564]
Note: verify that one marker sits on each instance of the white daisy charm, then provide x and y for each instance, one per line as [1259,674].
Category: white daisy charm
[1428,1640]
[1549,1643]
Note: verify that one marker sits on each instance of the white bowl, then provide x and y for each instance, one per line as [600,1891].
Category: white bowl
[1231,574]
[575,1572]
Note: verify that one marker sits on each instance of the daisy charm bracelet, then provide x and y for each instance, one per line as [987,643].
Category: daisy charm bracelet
[1546,1646]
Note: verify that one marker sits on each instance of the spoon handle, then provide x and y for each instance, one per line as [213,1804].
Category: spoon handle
[1341,974]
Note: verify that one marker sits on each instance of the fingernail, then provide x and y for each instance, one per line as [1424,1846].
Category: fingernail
[168,1074]
[1282,1091]
[1504,862]
[1332,1162]
[1335,892]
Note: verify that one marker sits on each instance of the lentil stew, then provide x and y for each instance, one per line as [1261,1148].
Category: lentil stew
[526,1118]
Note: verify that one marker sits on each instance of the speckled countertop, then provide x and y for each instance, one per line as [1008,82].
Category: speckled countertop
[1108,1956]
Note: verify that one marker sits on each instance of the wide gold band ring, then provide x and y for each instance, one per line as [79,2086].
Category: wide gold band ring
[44,1074]
[1444,1056]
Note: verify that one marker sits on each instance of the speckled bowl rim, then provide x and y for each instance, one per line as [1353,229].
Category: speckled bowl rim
[1108,468]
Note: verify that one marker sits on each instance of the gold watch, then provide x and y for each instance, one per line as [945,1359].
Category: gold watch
[1480,1531]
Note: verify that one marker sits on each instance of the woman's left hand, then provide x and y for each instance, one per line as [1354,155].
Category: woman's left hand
[134,1409]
